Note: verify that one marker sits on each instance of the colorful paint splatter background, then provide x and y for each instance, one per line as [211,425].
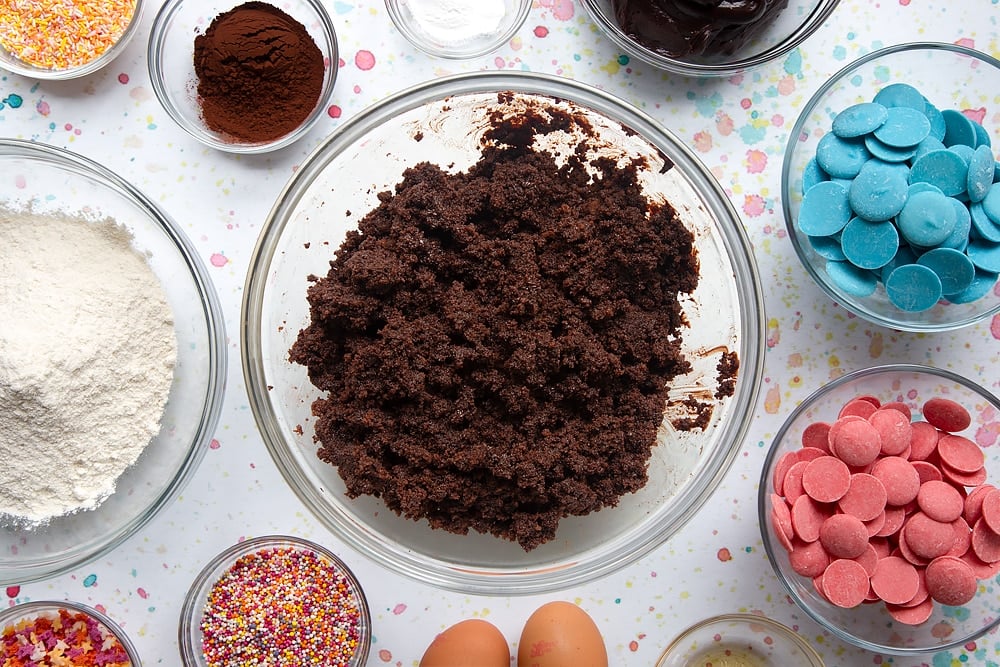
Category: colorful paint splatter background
[738,126]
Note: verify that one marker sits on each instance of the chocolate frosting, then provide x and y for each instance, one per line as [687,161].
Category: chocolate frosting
[679,28]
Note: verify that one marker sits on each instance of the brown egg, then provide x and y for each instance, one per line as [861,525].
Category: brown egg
[561,634]
[469,643]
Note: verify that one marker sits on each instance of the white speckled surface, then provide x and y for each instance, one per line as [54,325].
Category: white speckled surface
[738,127]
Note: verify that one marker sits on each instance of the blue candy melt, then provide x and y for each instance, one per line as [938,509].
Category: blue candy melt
[859,119]
[869,245]
[958,129]
[936,120]
[812,174]
[904,127]
[953,268]
[888,153]
[984,255]
[851,279]
[980,177]
[825,209]
[841,158]
[879,191]
[900,95]
[943,168]
[927,219]
[980,287]
[991,205]
[913,288]
[984,228]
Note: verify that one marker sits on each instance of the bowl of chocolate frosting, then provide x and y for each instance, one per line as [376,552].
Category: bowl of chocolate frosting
[519,349]
[708,37]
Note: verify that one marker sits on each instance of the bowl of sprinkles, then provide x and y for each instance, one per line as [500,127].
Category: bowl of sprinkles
[51,39]
[39,634]
[275,600]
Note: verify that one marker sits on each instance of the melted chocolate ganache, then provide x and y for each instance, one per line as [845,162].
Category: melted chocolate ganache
[679,28]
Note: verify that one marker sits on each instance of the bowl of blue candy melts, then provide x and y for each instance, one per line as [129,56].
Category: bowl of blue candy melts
[891,187]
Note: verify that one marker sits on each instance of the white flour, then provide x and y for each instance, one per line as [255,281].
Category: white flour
[87,351]
[455,21]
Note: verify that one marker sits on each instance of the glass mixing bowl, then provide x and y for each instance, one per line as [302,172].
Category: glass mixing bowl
[54,180]
[870,626]
[442,121]
[949,76]
[739,639]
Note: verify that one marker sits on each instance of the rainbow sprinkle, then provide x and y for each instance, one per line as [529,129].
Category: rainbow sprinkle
[281,606]
[59,34]
[66,639]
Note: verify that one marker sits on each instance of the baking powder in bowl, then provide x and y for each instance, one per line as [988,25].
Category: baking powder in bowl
[87,351]
[457,21]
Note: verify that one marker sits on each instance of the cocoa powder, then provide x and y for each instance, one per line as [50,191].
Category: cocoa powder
[259,73]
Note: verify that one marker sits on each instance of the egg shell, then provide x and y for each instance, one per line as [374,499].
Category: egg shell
[561,634]
[469,643]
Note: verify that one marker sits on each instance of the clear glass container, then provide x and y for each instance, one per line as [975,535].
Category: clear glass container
[190,632]
[744,640]
[28,613]
[949,76]
[869,626]
[443,120]
[792,26]
[12,63]
[171,67]
[430,27]
[49,180]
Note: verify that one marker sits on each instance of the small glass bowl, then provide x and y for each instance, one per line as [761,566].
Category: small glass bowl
[53,180]
[28,613]
[411,19]
[796,22]
[949,76]
[869,626]
[739,639]
[171,66]
[190,633]
[446,118]
[10,62]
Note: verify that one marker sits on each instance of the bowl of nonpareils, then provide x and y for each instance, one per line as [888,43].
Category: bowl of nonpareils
[63,633]
[243,76]
[879,508]
[889,187]
[266,598]
[709,39]
[112,360]
[65,40]
[439,367]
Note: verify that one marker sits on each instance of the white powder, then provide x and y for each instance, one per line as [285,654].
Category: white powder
[456,21]
[87,351]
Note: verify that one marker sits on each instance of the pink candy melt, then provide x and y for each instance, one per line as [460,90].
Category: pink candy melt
[874,507]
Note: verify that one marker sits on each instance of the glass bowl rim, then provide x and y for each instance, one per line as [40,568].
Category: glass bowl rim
[570,571]
[82,166]
[763,493]
[743,618]
[473,50]
[805,29]
[15,66]
[23,609]
[194,599]
[786,184]
[155,46]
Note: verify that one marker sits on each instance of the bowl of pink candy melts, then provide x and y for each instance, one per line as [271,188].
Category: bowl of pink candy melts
[879,505]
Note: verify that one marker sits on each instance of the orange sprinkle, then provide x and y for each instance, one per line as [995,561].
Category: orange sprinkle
[59,34]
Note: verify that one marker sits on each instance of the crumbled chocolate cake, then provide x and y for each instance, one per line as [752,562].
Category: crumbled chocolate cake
[495,346]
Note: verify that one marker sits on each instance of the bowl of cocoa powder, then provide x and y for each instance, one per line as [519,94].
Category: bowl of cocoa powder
[243,77]
[494,362]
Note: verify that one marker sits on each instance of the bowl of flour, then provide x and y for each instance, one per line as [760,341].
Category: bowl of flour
[112,360]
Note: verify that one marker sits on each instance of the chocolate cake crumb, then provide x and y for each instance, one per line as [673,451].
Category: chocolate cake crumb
[729,366]
[495,346]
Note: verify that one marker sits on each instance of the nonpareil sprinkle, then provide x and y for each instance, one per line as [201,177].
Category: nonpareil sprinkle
[281,606]
[59,34]
[68,638]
